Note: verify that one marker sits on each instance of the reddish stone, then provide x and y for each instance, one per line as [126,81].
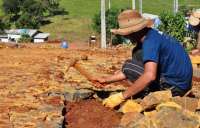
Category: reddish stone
[90,114]
[55,101]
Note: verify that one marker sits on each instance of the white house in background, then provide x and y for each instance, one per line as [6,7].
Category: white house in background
[4,38]
[14,35]
[41,37]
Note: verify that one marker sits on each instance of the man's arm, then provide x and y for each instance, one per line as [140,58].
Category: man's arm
[149,75]
[115,77]
[118,76]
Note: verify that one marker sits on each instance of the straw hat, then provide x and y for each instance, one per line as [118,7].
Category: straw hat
[193,20]
[131,21]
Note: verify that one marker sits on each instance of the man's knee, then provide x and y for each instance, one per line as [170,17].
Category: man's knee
[132,69]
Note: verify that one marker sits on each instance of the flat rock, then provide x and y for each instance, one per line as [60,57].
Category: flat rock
[72,94]
[131,117]
[168,117]
[188,103]
[155,98]
[131,106]
[142,123]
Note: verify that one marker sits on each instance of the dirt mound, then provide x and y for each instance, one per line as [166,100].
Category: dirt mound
[90,114]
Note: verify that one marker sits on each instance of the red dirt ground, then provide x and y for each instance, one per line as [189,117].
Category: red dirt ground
[90,114]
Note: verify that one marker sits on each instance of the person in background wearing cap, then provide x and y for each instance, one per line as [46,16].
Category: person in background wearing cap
[159,62]
[194,20]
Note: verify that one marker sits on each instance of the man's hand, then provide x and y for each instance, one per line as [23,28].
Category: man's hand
[98,82]
[113,100]
[99,79]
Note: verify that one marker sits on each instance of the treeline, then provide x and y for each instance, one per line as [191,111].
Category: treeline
[28,13]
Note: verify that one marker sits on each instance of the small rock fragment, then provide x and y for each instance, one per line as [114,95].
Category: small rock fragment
[131,106]
[84,57]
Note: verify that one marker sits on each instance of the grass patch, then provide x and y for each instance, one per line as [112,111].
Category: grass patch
[71,29]
[1,11]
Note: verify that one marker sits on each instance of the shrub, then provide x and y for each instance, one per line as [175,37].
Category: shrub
[111,22]
[30,13]
[174,25]
[25,38]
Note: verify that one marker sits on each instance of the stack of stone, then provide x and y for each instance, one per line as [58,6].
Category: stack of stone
[160,110]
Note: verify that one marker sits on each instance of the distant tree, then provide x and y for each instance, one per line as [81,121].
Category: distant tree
[27,20]
[4,24]
[53,7]
[11,8]
[30,13]
[1,27]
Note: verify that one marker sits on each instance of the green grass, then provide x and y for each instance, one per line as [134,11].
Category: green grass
[71,29]
[1,11]
[77,25]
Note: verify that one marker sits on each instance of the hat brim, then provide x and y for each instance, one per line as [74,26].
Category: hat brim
[126,31]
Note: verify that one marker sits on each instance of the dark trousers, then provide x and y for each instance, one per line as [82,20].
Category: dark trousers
[134,68]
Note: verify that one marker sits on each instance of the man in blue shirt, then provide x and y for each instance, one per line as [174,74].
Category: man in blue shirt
[159,61]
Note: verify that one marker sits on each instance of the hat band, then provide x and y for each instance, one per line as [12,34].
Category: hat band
[131,23]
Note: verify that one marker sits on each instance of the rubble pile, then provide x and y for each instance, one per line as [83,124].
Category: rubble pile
[163,112]
[35,82]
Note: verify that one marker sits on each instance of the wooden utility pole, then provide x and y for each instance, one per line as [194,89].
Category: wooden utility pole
[140,1]
[133,4]
[103,24]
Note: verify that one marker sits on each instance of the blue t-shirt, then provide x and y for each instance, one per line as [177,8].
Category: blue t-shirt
[174,65]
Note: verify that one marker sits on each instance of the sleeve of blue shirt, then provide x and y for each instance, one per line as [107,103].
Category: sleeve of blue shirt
[151,50]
